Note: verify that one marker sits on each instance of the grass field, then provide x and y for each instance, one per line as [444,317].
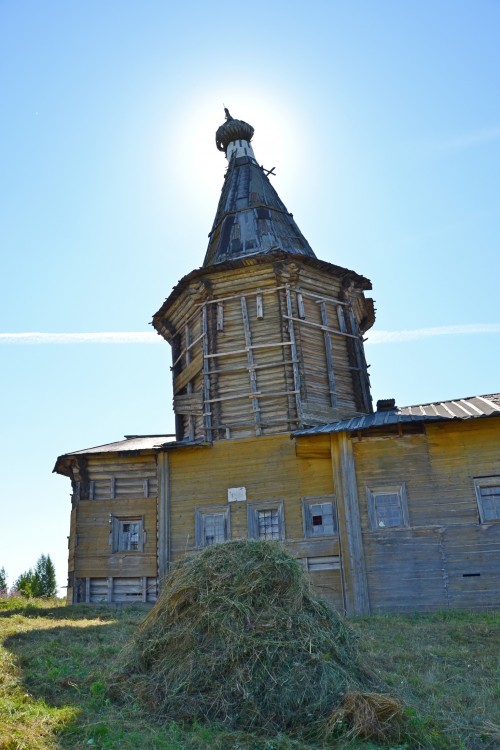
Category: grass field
[55,661]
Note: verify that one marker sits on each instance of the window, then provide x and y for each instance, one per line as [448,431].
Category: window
[266,521]
[211,525]
[319,517]
[127,534]
[387,507]
[488,498]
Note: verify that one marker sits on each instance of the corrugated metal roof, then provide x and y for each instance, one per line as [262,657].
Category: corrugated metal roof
[471,407]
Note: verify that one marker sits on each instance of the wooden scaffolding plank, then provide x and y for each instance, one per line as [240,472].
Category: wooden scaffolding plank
[360,360]
[207,414]
[293,343]
[251,366]
[329,355]
[189,385]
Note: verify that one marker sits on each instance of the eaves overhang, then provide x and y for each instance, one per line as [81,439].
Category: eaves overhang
[123,448]
[345,274]
[472,407]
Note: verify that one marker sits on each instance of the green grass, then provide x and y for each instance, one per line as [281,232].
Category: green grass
[54,663]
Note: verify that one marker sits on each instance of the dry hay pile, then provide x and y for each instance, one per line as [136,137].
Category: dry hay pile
[238,638]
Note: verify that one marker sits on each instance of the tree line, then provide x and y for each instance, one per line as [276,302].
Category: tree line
[39,581]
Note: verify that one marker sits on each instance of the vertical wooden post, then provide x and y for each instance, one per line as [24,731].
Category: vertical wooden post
[341,317]
[110,589]
[361,362]
[144,588]
[251,367]
[329,356]
[164,529]
[189,385]
[220,316]
[300,306]
[350,536]
[295,359]
[259,307]
[87,590]
[207,413]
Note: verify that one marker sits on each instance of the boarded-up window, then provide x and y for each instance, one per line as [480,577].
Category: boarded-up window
[317,564]
[121,487]
[101,489]
[98,590]
[132,486]
[488,498]
[387,506]
[266,520]
[319,516]
[127,534]
[211,526]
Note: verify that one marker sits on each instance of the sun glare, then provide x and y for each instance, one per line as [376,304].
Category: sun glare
[190,147]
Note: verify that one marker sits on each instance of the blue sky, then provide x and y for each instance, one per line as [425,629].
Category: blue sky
[383,122]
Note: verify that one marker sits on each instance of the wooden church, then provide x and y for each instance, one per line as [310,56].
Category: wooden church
[396,509]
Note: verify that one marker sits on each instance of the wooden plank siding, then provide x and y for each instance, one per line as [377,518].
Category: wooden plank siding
[445,558]
[121,488]
[263,350]
[269,470]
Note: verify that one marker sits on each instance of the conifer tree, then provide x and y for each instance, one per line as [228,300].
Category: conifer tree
[45,573]
[3,581]
[38,582]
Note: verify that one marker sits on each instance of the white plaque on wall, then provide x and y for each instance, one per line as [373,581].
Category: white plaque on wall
[237,494]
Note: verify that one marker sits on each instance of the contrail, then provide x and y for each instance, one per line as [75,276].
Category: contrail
[139,337]
[101,337]
[469,140]
[398,337]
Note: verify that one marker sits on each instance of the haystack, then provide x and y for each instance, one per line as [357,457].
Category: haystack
[237,637]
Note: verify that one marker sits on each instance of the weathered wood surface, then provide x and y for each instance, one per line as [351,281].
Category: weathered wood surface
[122,487]
[270,471]
[445,558]
[349,524]
[130,590]
[272,337]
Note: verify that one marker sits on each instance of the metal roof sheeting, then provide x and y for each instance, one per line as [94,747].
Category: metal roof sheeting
[251,218]
[464,408]
[132,443]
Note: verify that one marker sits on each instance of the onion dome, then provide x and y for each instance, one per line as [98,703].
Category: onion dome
[232,130]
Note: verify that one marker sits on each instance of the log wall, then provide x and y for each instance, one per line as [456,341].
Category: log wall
[265,349]
[270,472]
[445,557]
[117,489]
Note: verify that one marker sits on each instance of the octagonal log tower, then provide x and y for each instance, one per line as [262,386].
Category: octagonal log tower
[266,338]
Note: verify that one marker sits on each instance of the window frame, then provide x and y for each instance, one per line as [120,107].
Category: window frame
[117,532]
[199,522]
[307,516]
[388,489]
[253,510]
[479,483]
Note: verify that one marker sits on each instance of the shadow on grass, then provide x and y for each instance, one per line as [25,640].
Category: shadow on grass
[61,611]
[65,670]
[63,673]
